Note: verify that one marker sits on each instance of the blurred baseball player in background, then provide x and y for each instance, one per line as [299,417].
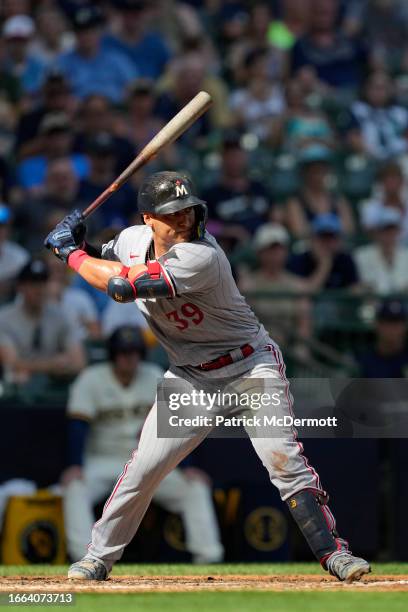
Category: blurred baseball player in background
[107,405]
[183,285]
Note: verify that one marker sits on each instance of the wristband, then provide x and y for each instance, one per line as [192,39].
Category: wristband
[76,259]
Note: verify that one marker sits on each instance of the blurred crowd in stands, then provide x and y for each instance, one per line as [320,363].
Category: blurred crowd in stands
[303,160]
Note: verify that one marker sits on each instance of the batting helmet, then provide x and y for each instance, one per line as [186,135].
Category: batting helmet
[163,193]
[126,339]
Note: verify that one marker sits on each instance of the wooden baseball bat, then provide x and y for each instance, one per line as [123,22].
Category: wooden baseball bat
[169,133]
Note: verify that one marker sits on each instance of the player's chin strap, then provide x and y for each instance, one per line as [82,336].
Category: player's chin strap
[310,510]
[155,282]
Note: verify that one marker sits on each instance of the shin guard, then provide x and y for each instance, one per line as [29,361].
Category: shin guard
[316,522]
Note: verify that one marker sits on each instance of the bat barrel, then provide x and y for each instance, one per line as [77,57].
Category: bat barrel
[168,134]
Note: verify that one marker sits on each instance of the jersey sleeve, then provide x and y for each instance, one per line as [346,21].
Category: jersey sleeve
[193,267]
[124,246]
[81,399]
[110,249]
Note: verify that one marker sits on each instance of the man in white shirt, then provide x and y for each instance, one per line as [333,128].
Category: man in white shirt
[383,264]
[107,407]
[37,339]
[12,256]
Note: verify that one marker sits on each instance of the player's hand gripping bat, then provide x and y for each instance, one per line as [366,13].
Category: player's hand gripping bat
[60,240]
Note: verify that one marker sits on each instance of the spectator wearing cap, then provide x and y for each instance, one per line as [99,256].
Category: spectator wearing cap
[286,316]
[10,86]
[76,303]
[386,27]
[92,68]
[325,264]
[53,36]
[142,122]
[235,198]
[18,32]
[383,264]
[302,124]
[262,31]
[390,191]
[118,209]
[97,114]
[187,75]
[57,197]
[230,22]
[12,256]
[388,358]
[36,337]
[330,56]
[55,98]
[143,47]
[257,105]
[315,196]
[57,141]
[377,126]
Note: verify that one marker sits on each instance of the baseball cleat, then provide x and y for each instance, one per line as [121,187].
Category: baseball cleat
[88,569]
[346,567]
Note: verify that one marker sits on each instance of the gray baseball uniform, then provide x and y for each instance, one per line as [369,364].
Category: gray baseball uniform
[192,331]
[207,318]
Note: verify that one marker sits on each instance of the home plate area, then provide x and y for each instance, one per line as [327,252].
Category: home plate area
[141,584]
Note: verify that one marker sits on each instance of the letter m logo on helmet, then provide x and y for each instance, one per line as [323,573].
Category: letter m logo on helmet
[180,189]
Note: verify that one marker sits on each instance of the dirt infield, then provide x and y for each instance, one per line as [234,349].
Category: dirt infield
[145,584]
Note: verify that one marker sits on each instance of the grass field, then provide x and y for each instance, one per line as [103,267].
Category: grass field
[231,587]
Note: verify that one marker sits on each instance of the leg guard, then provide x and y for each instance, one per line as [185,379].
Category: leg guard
[316,522]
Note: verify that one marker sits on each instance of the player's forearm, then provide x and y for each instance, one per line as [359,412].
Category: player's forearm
[96,272]
[78,430]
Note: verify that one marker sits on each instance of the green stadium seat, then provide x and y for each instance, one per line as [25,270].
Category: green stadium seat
[282,176]
[357,177]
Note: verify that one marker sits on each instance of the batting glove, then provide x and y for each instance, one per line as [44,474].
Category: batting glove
[75,222]
[61,242]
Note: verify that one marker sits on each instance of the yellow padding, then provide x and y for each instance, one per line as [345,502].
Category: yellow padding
[33,530]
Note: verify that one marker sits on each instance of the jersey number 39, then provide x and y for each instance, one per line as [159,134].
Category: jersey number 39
[191,314]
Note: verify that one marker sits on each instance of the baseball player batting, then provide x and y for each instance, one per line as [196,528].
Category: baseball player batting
[182,282]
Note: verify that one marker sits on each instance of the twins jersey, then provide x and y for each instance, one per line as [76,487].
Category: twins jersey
[116,412]
[207,317]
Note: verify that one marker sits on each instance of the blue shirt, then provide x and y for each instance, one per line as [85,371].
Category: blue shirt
[374,365]
[340,65]
[31,77]
[108,73]
[32,171]
[150,55]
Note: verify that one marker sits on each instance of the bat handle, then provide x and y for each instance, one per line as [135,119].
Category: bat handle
[100,199]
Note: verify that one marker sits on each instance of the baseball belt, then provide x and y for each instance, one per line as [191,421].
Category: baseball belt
[224,360]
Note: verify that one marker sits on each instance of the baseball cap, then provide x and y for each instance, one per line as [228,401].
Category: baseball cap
[130,5]
[54,122]
[231,11]
[5,214]
[269,234]
[392,310]
[87,17]
[101,144]
[19,26]
[126,339]
[55,76]
[327,223]
[231,139]
[315,153]
[35,271]
[141,86]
